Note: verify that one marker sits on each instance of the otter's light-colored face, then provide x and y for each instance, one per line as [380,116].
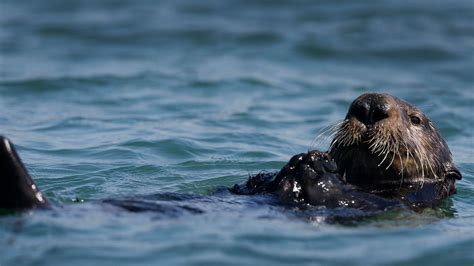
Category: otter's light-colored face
[384,140]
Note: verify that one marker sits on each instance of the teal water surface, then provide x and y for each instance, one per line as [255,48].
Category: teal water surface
[109,99]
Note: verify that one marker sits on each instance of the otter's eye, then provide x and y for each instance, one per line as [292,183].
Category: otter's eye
[415,120]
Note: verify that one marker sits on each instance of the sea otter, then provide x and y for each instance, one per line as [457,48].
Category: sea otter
[384,154]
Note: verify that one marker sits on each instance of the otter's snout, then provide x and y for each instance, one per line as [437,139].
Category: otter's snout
[370,108]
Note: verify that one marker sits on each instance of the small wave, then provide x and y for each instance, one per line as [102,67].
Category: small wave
[45,84]
[314,50]
[169,148]
[416,54]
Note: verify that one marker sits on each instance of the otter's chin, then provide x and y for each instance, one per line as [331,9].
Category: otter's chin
[359,166]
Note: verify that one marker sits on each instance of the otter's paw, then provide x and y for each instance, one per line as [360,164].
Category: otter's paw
[321,162]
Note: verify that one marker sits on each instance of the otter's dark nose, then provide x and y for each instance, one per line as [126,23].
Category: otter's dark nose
[369,108]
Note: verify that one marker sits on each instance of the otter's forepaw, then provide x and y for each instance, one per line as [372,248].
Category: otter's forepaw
[321,162]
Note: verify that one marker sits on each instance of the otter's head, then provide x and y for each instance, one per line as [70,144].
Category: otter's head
[385,141]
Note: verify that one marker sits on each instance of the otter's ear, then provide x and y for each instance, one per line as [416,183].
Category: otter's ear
[452,171]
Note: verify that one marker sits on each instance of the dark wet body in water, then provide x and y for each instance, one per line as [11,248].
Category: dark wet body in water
[312,179]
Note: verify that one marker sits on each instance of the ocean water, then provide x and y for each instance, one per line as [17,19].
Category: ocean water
[114,99]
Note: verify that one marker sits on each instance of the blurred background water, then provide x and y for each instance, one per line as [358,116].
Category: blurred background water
[106,99]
